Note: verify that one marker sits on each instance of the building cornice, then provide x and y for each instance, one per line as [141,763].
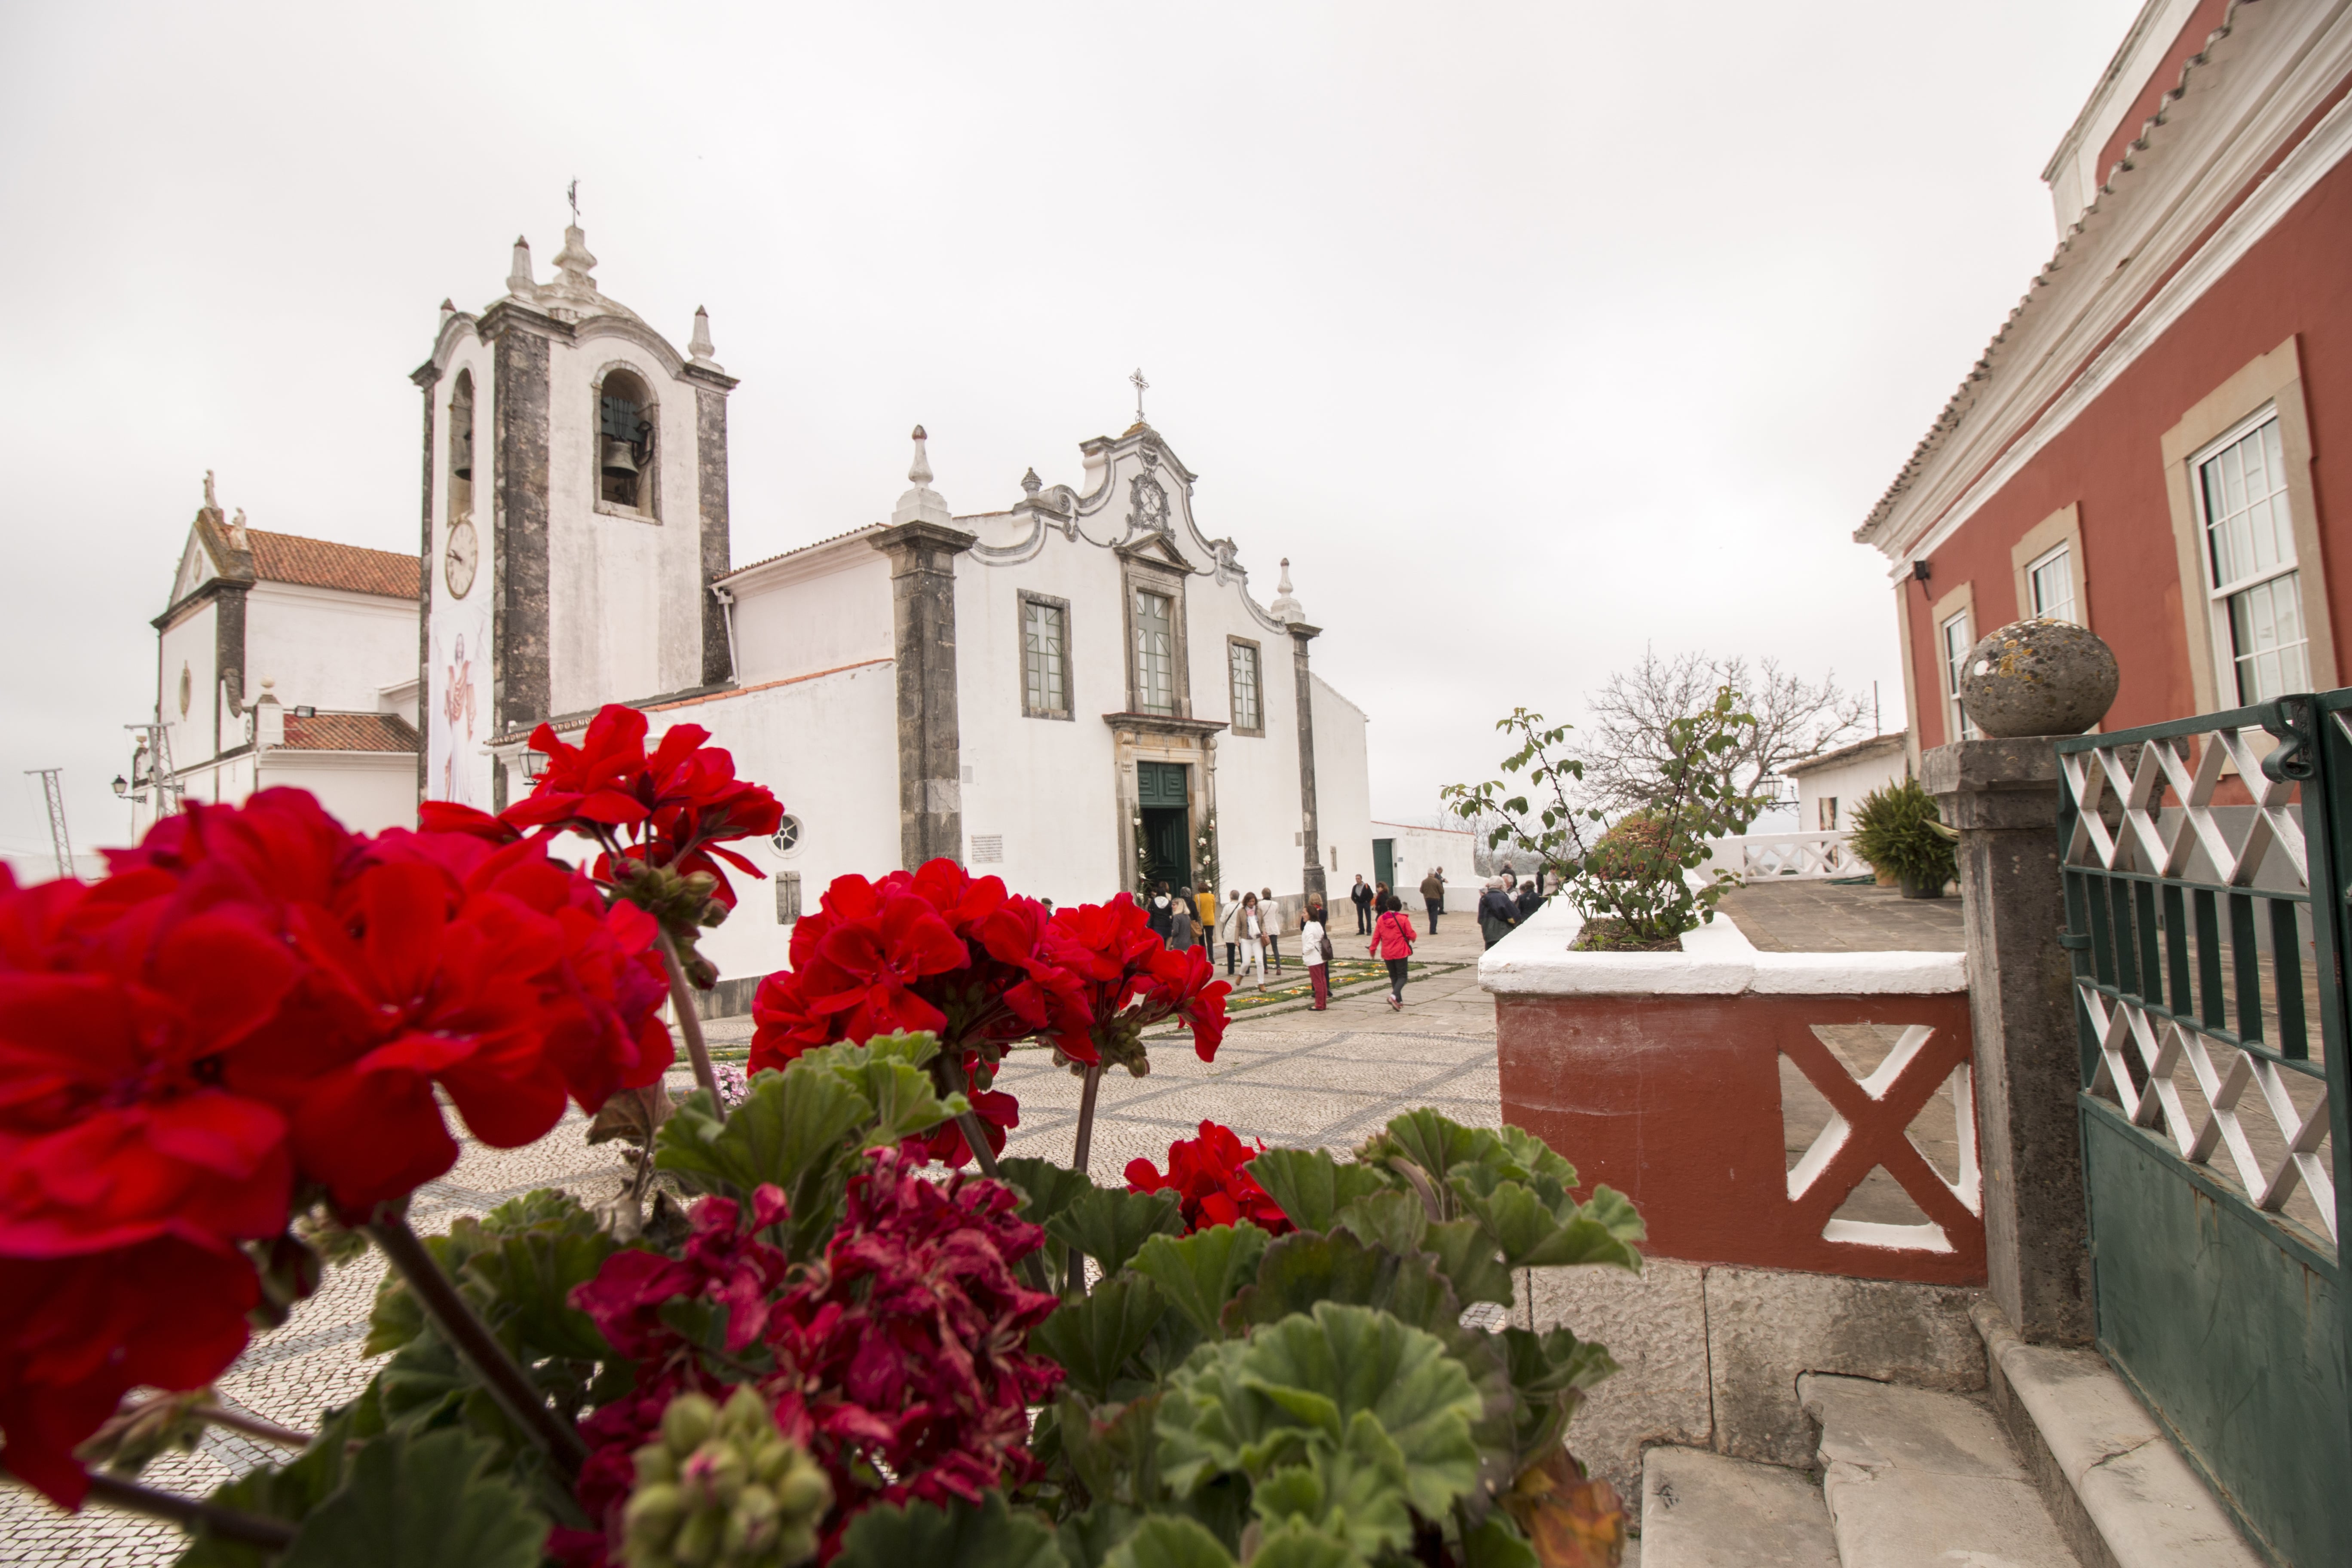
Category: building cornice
[1163,725]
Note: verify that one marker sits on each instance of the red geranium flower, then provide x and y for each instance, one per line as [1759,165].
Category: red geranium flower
[1113,950]
[1209,1175]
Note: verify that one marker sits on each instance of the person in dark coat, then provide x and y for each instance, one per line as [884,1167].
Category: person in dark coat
[1160,911]
[1496,913]
[1528,900]
[1183,920]
[1361,895]
[1433,894]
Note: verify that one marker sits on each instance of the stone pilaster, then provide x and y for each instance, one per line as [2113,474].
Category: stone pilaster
[710,484]
[1301,634]
[426,378]
[2002,798]
[520,680]
[922,610]
[228,660]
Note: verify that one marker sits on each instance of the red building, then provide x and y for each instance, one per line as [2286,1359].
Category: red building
[2143,448]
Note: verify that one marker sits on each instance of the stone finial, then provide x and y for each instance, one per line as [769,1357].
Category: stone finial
[212,502]
[1031,484]
[574,260]
[2039,677]
[922,504]
[700,347]
[237,531]
[448,308]
[1286,607]
[520,281]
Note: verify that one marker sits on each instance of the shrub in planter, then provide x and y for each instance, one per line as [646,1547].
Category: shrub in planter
[821,1339]
[1897,829]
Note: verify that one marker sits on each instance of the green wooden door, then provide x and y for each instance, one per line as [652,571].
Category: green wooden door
[1161,797]
[1384,861]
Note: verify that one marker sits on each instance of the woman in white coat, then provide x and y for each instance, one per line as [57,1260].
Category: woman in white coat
[1250,925]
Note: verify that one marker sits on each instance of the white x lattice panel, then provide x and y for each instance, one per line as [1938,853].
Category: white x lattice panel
[2198,1130]
[2140,843]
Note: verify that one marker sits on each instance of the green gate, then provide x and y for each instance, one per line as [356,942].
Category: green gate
[2210,997]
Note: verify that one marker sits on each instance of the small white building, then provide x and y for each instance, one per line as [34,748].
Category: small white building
[283,660]
[1828,786]
[1403,853]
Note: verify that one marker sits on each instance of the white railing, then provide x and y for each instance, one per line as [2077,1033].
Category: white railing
[1759,857]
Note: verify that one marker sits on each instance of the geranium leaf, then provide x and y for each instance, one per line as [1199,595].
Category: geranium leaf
[1354,1493]
[1298,1545]
[788,1125]
[1095,1337]
[1310,1185]
[541,1246]
[1046,1188]
[1108,1225]
[1433,1143]
[1170,1541]
[1469,1258]
[1540,1225]
[1497,1544]
[1112,1448]
[1087,1539]
[989,1534]
[421,1500]
[1294,1386]
[291,1491]
[1302,1268]
[1391,1219]
[1549,1373]
[1201,1272]
[1530,1154]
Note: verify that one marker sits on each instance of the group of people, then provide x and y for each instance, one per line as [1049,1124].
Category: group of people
[1250,926]
[1507,900]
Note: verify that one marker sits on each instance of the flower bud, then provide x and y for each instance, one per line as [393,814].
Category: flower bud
[722,1487]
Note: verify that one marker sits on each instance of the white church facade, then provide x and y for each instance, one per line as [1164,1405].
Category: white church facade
[1071,692]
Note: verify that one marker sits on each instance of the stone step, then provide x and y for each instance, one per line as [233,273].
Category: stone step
[1914,1477]
[1707,1510]
[2122,1495]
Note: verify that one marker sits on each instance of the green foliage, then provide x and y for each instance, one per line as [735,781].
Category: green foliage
[1098,1335]
[987,1534]
[801,1129]
[1311,1186]
[1109,1224]
[1897,829]
[1200,1273]
[421,1499]
[1633,879]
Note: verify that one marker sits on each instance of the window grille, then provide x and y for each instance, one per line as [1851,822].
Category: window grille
[2257,589]
[1958,640]
[1155,653]
[2051,579]
[788,896]
[1045,659]
[1246,715]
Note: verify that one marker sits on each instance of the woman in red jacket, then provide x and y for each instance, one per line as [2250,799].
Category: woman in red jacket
[1392,938]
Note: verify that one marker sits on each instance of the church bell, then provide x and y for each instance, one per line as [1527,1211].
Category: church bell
[461,454]
[620,460]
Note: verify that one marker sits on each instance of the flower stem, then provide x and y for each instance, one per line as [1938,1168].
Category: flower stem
[1086,1145]
[253,1426]
[471,1338]
[210,1519]
[689,1024]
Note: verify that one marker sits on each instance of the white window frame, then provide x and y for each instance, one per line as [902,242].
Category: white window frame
[2061,558]
[1956,722]
[2281,576]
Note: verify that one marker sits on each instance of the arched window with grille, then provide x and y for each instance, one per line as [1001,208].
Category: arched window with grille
[625,419]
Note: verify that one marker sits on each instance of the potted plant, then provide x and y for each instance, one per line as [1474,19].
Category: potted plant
[1897,829]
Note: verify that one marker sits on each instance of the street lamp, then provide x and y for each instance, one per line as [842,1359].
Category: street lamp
[121,785]
[534,763]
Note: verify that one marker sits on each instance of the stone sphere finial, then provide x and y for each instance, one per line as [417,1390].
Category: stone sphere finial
[2039,677]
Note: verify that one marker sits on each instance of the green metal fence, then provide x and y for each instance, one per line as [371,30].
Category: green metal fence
[2210,984]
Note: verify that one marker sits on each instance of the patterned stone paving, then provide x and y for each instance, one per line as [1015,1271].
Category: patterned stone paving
[1289,1075]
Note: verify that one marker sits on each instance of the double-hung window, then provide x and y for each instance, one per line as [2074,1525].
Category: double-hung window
[2252,572]
[2050,579]
[1045,659]
[1957,640]
[1155,652]
[1249,710]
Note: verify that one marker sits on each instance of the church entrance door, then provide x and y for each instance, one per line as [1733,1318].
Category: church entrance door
[1164,801]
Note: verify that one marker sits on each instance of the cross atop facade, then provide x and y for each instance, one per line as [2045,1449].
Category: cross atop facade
[1141,387]
[572,195]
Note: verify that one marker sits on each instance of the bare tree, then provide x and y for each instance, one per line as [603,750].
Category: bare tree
[1624,745]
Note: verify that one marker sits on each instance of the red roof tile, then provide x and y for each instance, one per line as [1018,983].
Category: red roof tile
[321,563]
[350,733]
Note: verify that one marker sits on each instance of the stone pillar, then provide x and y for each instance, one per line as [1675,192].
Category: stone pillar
[522,687]
[710,486]
[2002,795]
[1301,634]
[922,607]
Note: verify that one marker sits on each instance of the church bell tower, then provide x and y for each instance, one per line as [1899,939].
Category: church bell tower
[574,518]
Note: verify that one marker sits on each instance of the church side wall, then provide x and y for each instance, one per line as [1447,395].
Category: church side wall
[1258,821]
[625,594]
[328,650]
[841,617]
[828,748]
[1343,788]
[189,647]
[1047,787]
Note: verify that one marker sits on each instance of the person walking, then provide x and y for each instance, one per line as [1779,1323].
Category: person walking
[1528,900]
[1156,913]
[1315,951]
[1252,932]
[1393,940]
[1496,913]
[1432,893]
[1273,913]
[1183,921]
[1229,928]
[1361,895]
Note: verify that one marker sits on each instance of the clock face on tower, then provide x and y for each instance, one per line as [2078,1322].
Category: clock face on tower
[1151,504]
[463,554]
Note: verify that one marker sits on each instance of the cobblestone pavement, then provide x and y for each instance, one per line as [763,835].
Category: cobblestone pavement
[1829,917]
[1289,1077]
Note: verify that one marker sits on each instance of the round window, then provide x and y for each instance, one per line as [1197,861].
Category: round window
[788,837]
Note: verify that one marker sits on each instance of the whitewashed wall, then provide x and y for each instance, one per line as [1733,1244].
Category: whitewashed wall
[1847,782]
[190,646]
[329,649]
[1420,850]
[458,718]
[825,610]
[367,792]
[1343,793]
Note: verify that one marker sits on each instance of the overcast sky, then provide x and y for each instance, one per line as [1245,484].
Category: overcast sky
[1533,335]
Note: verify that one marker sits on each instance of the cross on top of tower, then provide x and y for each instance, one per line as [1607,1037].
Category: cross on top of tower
[1142,385]
[572,195]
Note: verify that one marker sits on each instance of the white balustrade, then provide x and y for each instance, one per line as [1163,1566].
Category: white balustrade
[1758,857]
